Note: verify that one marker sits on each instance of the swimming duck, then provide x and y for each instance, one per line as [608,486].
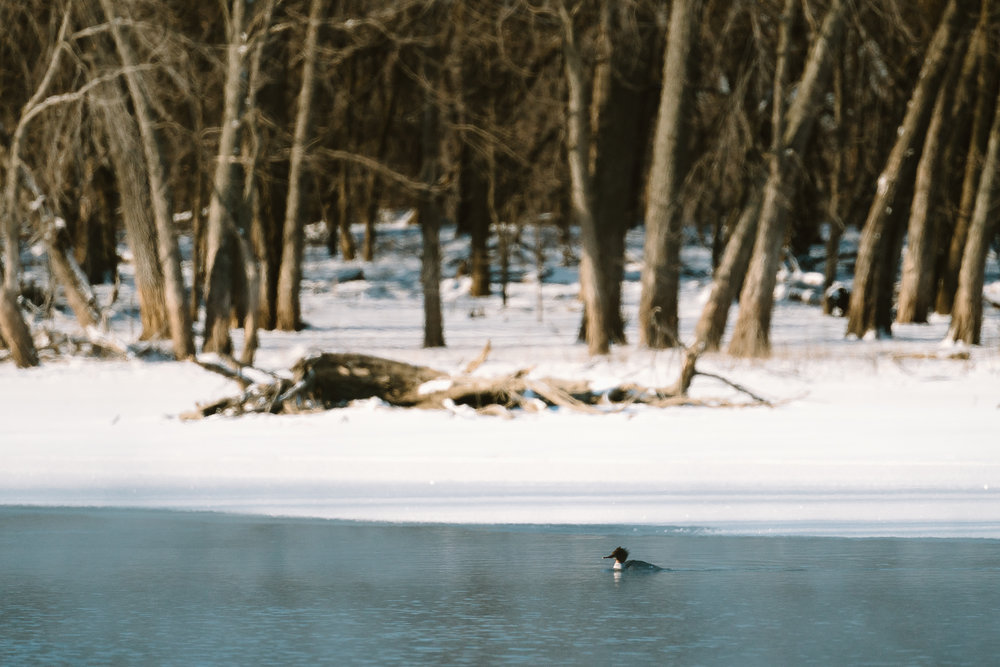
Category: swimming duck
[623,563]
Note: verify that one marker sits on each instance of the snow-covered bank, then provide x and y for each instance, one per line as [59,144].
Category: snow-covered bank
[923,459]
[868,437]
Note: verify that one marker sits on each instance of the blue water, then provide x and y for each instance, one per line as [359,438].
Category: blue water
[137,587]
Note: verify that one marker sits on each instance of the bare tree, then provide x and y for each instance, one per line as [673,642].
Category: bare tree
[227,195]
[916,289]
[658,319]
[14,331]
[581,197]
[792,131]
[37,104]
[289,315]
[160,195]
[429,211]
[974,152]
[121,135]
[967,313]
[878,253]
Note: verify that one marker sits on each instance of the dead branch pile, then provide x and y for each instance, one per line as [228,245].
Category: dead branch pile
[326,381]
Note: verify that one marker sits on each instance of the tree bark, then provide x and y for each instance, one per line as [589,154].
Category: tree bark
[160,196]
[429,216]
[975,150]
[15,331]
[348,249]
[624,106]
[792,131]
[256,253]
[658,319]
[289,309]
[592,288]
[916,290]
[223,210]
[967,313]
[711,325]
[874,273]
[64,266]
[125,151]
[91,226]
[474,212]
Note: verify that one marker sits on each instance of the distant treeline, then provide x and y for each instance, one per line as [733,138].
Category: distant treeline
[758,123]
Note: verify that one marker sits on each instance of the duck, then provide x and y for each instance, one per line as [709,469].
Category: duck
[620,554]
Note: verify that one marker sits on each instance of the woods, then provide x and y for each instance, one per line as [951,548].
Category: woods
[203,140]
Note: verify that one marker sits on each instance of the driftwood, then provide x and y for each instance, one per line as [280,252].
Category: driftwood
[326,381]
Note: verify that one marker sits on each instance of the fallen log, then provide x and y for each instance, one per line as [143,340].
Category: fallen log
[326,381]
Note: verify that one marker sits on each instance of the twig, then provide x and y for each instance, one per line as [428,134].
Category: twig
[737,387]
[478,361]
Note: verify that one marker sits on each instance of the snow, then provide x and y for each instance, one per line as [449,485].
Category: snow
[872,437]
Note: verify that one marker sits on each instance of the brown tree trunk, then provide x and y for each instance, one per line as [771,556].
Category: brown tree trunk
[838,185]
[223,211]
[711,325]
[916,290]
[871,298]
[255,255]
[15,332]
[658,320]
[474,212]
[370,216]
[429,216]
[125,152]
[975,150]
[91,226]
[289,309]
[792,129]
[160,196]
[63,264]
[967,313]
[624,119]
[592,288]
[348,249]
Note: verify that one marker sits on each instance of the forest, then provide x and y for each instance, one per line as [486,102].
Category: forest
[203,137]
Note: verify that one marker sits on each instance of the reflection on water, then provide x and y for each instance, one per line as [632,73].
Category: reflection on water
[147,587]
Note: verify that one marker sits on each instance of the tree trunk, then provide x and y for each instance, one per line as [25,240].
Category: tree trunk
[871,298]
[975,150]
[15,332]
[967,313]
[125,151]
[792,131]
[917,284]
[223,210]
[474,212]
[429,216]
[658,320]
[592,288]
[92,226]
[370,216]
[725,281]
[255,254]
[624,108]
[63,264]
[838,187]
[289,309]
[160,196]
[348,249]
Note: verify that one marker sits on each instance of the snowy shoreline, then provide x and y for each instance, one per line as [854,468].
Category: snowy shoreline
[895,437]
[812,466]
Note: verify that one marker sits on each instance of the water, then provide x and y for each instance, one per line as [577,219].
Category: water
[104,586]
